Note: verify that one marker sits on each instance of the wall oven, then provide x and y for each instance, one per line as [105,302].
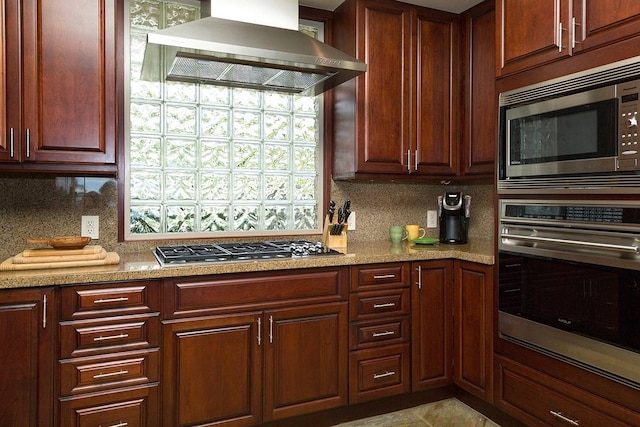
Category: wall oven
[578,132]
[569,282]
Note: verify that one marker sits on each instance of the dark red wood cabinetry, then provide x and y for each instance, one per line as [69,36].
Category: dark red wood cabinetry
[109,356]
[61,86]
[243,349]
[27,364]
[398,118]
[537,32]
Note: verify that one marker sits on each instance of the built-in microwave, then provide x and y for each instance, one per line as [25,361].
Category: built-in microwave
[578,132]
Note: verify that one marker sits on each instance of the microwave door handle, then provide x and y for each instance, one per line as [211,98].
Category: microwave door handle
[630,248]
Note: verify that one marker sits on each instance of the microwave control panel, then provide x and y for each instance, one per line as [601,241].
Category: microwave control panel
[629,105]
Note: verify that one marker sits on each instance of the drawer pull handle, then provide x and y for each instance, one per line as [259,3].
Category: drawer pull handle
[558,414]
[385,305]
[386,374]
[111,374]
[108,300]
[384,276]
[383,334]
[111,337]
[119,425]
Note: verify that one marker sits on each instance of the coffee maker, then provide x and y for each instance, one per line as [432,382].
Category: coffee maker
[453,215]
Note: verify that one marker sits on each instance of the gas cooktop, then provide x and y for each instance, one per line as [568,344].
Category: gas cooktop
[220,252]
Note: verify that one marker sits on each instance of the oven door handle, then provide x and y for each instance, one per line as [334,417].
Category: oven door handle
[626,248]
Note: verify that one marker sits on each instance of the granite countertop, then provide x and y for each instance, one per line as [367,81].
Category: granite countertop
[143,265]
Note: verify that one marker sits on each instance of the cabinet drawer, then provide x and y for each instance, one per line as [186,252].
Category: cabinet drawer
[538,399]
[89,374]
[368,305]
[113,334]
[370,277]
[136,407]
[379,372]
[380,332]
[90,301]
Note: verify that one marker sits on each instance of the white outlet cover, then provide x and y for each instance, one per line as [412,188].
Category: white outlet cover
[90,226]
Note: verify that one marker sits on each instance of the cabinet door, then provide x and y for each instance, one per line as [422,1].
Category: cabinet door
[435,85]
[10,85]
[383,120]
[212,371]
[480,117]
[306,360]
[598,23]
[530,33]
[70,90]
[26,357]
[431,324]
[473,329]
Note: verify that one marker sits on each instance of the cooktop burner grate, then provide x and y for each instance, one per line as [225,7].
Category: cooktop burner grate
[239,251]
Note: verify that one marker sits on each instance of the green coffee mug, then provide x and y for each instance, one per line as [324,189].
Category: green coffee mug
[396,233]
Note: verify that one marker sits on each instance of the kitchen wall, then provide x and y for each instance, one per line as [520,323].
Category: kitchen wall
[43,206]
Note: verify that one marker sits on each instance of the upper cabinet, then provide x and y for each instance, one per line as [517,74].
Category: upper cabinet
[397,119]
[60,74]
[534,32]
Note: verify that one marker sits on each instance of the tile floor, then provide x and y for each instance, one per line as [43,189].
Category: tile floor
[445,413]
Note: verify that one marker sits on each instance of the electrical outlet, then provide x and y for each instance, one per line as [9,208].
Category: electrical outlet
[432,219]
[351,221]
[90,226]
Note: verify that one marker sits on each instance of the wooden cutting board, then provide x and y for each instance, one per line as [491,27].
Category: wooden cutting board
[21,259]
[110,258]
[87,250]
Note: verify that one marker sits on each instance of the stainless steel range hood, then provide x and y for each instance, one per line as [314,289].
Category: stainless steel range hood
[222,50]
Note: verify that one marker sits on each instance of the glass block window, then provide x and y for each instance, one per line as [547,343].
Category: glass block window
[209,161]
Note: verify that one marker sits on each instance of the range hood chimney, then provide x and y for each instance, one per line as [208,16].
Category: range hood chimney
[250,44]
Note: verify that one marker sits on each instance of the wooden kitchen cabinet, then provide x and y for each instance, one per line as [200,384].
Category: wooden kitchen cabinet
[243,349]
[27,357]
[379,360]
[62,88]
[398,118]
[480,114]
[535,32]
[473,328]
[109,354]
[432,324]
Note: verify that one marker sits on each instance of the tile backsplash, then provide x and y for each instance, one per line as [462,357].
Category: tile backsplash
[44,206]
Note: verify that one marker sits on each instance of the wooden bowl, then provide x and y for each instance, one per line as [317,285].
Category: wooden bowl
[68,242]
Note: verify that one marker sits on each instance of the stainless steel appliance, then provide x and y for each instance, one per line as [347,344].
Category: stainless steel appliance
[177,255]
[569,282]
[575,133]
[453,212]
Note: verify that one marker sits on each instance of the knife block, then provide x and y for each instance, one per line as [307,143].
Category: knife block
[334,240]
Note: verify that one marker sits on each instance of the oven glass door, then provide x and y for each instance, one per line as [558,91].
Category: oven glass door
[598,302]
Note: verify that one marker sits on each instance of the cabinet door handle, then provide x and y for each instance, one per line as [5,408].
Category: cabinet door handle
[108,300]
[270,329]
[558,414]
[385,305]
[28,143]
[111,374]
[384,375]
[416,160]
[384,276]
[409,161]
[259,331]
[111,337]
[383,334]
[573,32]
[11,143]
[120,424]
[419,283]
[560,37]
[44,312]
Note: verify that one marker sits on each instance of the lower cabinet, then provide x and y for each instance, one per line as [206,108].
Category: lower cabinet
[242,365]
[432,324]
[27,361]
[473,328]
[541,400]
